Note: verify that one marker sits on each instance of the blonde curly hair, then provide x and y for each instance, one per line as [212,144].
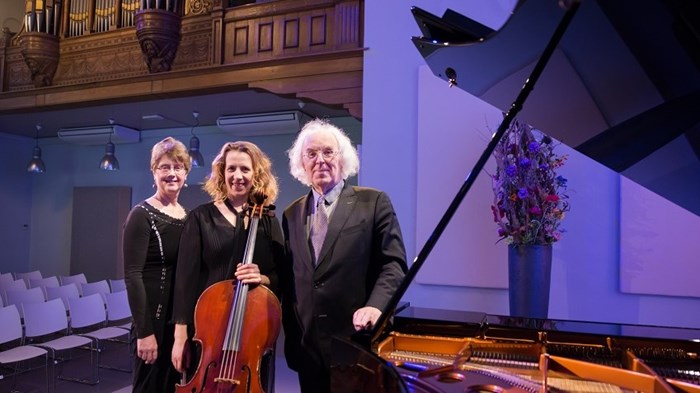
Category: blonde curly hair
[264,180]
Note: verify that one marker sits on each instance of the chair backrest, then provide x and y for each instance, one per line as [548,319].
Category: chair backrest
[117,285]
[43,283]
[26,276]
[64,292]
[44,318]
[5,278]
[100,287]
[76,279]
[51,281]
[117,306]
[13,285]
[25,296]
[10,324]
[87,311]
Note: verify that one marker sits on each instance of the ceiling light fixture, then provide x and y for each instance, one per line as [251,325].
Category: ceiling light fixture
[36,164]
[197,159]
[109,162]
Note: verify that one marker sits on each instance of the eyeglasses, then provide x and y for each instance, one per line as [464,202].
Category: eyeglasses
[327,154]
[167,168]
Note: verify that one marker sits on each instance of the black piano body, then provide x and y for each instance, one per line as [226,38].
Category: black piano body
[645,84]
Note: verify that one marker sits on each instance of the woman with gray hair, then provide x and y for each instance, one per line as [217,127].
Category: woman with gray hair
[344,249]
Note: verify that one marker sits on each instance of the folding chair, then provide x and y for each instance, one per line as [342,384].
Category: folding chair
[76,279]
[89,318]
[117,285]
[26,276]
[48,319]
[64,292]
[100,287]
[14,358]
[24,296]
[43,283]
[12,286]
[5,278]
[118,311]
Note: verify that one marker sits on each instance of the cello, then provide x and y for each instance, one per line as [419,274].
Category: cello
[235,326]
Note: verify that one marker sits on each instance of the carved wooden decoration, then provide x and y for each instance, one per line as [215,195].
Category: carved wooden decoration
[40,53]
[158,32]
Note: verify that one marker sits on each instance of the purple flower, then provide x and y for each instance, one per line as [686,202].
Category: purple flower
[530,198]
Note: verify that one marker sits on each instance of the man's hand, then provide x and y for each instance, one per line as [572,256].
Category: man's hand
[365,317]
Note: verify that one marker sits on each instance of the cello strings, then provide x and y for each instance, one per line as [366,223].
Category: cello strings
[233,337]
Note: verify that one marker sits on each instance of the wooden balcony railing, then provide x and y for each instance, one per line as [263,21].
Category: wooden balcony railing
[116,50]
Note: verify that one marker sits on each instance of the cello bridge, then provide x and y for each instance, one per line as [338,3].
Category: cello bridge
[228,380]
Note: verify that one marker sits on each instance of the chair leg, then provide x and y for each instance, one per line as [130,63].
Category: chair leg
[94,360]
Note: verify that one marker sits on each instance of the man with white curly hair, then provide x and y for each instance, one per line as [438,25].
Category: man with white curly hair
[345,253]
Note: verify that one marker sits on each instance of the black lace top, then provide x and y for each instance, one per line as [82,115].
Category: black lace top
[150,246]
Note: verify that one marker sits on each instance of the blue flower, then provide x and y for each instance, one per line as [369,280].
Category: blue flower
[511,170]
[522,193]
[533,147]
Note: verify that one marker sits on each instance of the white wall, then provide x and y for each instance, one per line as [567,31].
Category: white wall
[419,136]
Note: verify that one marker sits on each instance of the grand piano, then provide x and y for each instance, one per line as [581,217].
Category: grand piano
[641,62]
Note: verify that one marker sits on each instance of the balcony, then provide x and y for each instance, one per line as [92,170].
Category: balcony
[108,52]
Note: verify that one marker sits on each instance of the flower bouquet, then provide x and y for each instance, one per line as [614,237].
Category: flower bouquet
[530,198]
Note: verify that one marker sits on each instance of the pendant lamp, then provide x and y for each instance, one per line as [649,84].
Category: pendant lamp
[36,164]
[195,154]
[109,162]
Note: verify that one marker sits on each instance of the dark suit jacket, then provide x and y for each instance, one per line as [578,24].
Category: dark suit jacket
[361,263]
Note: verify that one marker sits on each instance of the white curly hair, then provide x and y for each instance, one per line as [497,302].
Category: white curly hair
[347,154]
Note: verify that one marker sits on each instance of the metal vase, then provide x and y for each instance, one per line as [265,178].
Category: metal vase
[529,273]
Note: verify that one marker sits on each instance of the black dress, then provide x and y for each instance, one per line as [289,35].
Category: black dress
[209,251]
[150,245]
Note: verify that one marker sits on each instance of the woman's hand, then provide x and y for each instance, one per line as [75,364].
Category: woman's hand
[250,274]
[365,317]
[147,349]
[180,355]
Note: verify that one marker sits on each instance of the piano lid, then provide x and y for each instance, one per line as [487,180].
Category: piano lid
[623,87]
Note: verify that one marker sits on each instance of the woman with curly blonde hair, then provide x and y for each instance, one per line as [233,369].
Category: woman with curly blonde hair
[215,234]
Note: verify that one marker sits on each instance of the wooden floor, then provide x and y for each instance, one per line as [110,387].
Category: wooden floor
[113,381]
